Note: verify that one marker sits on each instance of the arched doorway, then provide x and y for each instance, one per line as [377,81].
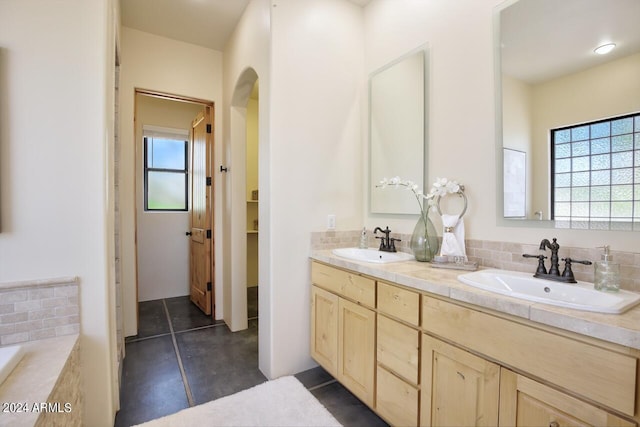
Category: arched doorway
[242,212]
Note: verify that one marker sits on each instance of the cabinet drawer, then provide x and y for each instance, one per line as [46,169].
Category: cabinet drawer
[400,303]
[396,401]
[397,348]
[525,402]
[349,285]
[557,359]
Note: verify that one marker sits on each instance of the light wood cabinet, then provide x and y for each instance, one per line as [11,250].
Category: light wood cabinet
[458,388]
[595,372]
[344,283]
[396,400]
[420,359]
[397,355]
[356,349]
[525,402]
[324,329]
[398,348]
[399,303]
[343,328]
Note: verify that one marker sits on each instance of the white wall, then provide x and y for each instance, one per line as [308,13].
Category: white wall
[317,90]
[160,64]
[516,134]
[246,54]
[56,136]
[461,99]
[163,247]
[310,151]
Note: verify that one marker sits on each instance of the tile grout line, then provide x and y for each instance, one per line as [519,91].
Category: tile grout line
[187,388]
[199,328]
[324,384]
[132,340]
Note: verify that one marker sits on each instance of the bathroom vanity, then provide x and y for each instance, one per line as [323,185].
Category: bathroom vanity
[421,348]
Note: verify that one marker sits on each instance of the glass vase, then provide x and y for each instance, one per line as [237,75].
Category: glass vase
[424,240]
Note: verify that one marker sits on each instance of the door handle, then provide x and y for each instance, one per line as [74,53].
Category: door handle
[188,233]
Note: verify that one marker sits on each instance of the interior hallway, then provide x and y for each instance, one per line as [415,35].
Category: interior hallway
[182,358]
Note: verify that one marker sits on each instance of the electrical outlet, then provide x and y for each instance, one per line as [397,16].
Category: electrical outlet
[331,222]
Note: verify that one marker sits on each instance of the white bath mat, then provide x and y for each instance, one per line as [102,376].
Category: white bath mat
[282,402]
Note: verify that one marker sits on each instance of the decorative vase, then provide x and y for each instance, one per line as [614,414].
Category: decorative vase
[424,240]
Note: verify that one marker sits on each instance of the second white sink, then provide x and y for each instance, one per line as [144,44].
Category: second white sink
[579,296]
[372,255]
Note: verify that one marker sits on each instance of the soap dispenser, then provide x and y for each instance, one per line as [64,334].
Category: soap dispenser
[606,273]
[364,241]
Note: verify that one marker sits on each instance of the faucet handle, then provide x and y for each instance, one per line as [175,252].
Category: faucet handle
[568,273]
[392,244]
[570,260]
[541,268]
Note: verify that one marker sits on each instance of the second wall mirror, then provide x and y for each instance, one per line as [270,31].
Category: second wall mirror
[398,130]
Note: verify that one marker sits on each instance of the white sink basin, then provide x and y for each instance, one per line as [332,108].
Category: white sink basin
[372,255]
[579,296]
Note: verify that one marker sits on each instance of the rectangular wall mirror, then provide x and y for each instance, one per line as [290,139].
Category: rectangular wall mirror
[572,111]
[398,130]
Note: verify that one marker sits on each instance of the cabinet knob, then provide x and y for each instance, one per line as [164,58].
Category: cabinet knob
[554,424]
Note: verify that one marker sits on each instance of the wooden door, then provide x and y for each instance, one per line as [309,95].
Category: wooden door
[458,388]
[356,349]
[201,218]
[525,402]
[324,329]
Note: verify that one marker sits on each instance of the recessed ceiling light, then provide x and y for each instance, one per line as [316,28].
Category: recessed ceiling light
[604,49]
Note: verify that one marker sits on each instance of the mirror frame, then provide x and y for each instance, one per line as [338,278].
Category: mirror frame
[424,49]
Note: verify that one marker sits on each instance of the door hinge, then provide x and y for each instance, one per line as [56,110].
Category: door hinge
[208,234]
[208,127]
[209,286]
[208,181]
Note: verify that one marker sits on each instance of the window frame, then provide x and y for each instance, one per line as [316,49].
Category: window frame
[634,150]
[147,169]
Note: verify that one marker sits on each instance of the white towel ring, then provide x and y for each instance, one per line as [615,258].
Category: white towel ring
[464,197]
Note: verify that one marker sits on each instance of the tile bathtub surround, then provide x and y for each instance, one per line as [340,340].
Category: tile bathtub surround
[503,255]
[65,399]
[49,373]
[38,309]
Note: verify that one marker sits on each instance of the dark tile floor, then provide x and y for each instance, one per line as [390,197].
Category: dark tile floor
[182,358]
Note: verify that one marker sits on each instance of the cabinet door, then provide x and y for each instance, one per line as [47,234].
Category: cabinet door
[356,350]
[458,388]
[525,402]
[324,329]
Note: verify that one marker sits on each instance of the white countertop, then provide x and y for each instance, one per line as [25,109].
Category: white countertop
[623,329]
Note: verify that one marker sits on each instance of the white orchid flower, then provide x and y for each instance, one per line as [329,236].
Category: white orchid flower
[441,187]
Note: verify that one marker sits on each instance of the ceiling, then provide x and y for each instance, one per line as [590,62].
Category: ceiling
[543,39]
[207,23]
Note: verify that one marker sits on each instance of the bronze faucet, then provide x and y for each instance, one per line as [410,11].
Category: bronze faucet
[554,270]
[386,244]
[544,244]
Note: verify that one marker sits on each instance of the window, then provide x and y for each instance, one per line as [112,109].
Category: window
[596,171]
[165,173]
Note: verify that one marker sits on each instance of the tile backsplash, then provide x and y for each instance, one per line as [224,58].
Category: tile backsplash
[504,255]
[33,310]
